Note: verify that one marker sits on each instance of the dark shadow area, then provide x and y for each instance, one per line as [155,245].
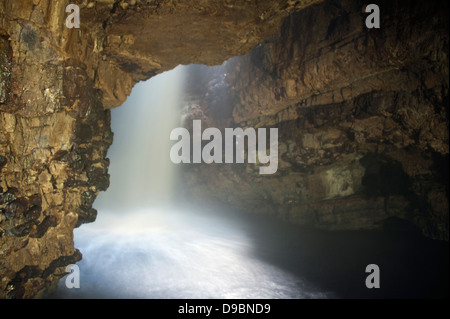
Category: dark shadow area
[384,177]
[411,266]
[207,86]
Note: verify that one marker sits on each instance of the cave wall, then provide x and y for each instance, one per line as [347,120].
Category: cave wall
[56,88]
[362,116]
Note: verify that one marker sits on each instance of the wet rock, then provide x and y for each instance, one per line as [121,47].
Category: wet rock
[41,228]
[86,215]
[6,198]
[5,66]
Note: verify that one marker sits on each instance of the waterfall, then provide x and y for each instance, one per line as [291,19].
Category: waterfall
[141,171]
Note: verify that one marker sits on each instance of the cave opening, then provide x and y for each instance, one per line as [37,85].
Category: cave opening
[149,239]
[152,240]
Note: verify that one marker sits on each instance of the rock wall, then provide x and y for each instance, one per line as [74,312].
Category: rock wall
[56,86]
[362,116]
[55,135]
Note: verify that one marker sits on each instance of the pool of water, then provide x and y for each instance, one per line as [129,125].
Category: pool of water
[205,253]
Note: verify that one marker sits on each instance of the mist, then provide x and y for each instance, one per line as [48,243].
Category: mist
[141,173]
[148,242]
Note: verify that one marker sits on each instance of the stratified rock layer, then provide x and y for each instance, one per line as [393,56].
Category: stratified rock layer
[362,116]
